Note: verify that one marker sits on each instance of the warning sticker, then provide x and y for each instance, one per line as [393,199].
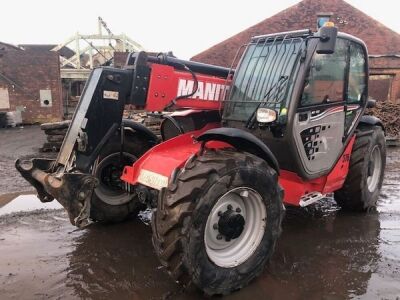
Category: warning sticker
[151,179]
[112,95]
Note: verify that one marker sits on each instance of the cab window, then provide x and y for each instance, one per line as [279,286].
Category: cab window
[326,77]
[357,74]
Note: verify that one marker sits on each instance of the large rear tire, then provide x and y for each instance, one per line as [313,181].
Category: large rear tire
[110,202]
[217,223]
[363,183]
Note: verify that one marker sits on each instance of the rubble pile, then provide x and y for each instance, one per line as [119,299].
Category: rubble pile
[389,113]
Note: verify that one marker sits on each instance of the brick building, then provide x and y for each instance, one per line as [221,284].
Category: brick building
[383,43]
[30,83]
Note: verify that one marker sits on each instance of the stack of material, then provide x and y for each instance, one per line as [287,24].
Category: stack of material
[389,113]
[55,133]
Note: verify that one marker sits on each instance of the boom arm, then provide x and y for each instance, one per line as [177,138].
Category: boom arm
[153,83]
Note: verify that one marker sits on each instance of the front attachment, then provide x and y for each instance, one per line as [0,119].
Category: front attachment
[72,190]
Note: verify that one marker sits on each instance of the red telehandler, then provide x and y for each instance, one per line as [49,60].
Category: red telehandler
[285,127]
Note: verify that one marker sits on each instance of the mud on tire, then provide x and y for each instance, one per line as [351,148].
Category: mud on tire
[183,210]
[356,194]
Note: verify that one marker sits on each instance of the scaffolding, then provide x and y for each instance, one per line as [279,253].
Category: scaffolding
[81,53]
[93,50]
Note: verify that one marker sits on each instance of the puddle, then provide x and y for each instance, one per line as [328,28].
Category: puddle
[322,254]
[25,203]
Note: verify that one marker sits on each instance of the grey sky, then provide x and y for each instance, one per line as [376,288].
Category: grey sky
[185,27]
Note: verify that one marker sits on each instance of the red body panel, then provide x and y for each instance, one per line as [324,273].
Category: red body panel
[166,83]
[295,187]
[161,160]
[155,167]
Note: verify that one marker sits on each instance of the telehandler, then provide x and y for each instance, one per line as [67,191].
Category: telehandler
[284,126]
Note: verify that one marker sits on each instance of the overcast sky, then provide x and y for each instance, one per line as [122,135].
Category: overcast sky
[185,27]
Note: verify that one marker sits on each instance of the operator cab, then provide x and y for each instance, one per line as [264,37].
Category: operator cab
[302,94]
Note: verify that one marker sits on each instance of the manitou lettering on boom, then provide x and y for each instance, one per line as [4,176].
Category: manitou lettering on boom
[205,90]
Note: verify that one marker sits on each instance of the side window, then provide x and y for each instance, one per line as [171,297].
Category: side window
[326,77]
[356,85]
[357,74]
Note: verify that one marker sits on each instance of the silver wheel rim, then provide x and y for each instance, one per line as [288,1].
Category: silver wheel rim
[248,203]
[374,169]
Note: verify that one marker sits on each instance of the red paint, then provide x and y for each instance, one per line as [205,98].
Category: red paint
[295,187]
[169,155]
[164,158]
[164,87]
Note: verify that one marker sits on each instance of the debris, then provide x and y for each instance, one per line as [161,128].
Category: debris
[389,113]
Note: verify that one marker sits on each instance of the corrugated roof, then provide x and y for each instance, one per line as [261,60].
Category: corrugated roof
[380,39]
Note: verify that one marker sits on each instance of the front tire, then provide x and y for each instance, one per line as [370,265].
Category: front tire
[363,183]
[217,224]
[110,202]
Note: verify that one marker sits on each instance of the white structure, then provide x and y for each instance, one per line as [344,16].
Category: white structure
[93,50]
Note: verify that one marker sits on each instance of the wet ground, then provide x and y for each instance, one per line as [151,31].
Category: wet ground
[322,254]
[16,143]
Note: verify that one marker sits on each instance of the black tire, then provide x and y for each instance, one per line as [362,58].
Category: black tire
[101,210]
[180,219]
[355,195]
[55,138]
[55,125]
[62,132]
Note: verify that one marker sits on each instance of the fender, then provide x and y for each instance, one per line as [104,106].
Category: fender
[155,167]
[241,140]
[141,130]
[371,121]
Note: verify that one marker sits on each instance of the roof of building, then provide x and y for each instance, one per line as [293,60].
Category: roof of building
[64,51]
[5,46]
[380,39]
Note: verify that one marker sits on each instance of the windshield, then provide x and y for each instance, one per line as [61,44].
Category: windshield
[264,75]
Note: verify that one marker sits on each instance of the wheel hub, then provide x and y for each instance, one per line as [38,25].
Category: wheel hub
[231,224]
[235,227]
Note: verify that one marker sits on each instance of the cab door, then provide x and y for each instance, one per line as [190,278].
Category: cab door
[319,123]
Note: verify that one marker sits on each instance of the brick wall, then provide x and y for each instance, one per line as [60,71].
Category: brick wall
[32,71]
[389,67]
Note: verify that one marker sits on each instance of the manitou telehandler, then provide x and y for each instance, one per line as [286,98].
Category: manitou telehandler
[286,126]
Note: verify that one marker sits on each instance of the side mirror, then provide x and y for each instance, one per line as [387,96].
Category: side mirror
[371,103]
[327,39]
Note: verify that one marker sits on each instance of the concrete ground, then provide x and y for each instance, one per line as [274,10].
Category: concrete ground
[322,253]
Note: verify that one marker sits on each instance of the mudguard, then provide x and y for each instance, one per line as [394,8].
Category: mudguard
[154,168]
[141,130]
[372,121]
[241,140]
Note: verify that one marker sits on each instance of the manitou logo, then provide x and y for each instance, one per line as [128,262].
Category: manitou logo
[205,90]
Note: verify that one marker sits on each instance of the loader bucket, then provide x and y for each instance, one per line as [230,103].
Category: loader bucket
[72,190]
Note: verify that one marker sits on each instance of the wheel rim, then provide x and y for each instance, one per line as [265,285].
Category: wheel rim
[111,189]
[374,169]
[235,227]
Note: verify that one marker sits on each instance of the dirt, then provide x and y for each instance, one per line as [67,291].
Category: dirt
[389,114]
[322,254]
